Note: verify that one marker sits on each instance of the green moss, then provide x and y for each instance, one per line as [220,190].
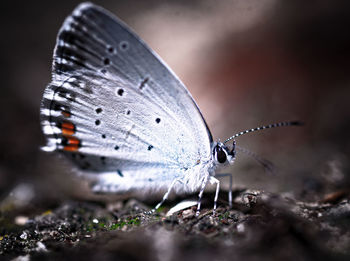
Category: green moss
[160,209]
[224,216]
[125,222]
[113,227]
[134,221]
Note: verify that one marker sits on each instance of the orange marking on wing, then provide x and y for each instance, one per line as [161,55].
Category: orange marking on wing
[66,114]
[68,125]
[68,128]
[67,132]
[71,148]
[73,144]
[73,141]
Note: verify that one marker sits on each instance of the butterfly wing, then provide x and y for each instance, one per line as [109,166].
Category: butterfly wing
[115,108]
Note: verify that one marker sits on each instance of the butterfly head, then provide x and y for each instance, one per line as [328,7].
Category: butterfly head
[224,154]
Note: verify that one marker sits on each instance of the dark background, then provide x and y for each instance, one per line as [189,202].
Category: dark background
[246,63]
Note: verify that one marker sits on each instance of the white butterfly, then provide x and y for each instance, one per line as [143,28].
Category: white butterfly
[122,116]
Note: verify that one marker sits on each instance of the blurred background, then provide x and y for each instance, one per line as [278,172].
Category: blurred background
[246,63]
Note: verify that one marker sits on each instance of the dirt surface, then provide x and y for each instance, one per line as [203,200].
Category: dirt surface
[259,226]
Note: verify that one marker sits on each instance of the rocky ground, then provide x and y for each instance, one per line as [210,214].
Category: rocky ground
[259,226]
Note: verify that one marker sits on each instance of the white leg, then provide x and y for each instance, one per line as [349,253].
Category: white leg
[230,189]
[204,183]
[213,180]
[165,197]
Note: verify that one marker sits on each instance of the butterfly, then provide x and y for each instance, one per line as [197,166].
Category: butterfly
[123,117]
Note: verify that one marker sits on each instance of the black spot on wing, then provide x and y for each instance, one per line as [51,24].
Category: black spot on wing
[120,173]
[106,61]
[143,83]
[103,160]
[124,45]
[110,49]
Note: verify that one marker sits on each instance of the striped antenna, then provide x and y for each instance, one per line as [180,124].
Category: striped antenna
[274,125]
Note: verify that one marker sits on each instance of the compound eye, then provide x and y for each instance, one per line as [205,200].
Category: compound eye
[221,156]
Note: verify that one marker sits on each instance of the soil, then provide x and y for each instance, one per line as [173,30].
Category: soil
[259,226]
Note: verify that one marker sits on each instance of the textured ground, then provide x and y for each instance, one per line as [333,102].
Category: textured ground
[260,226]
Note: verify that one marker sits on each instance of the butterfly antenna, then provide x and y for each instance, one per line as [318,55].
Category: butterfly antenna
[274,125]
[268,165]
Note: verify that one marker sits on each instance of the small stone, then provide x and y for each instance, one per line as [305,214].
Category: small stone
[21,220]
[240,228]
[188,213]
[41,247]
[24,235]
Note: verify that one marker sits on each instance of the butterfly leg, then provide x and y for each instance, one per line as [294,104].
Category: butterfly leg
[213,180]
[166,195]
[230,189]
[204,183]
